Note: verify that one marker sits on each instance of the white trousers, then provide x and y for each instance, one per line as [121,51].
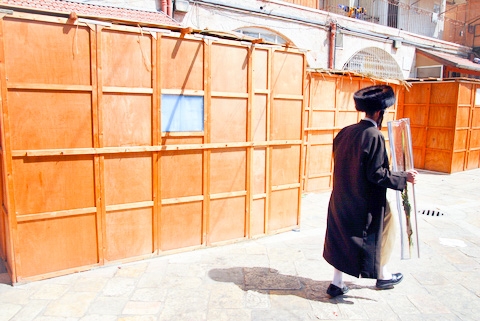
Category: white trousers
[388,236]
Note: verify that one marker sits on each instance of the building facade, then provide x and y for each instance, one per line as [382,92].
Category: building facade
[378,38]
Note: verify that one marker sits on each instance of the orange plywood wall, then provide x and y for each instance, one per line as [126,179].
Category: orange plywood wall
[330,107]
[120,143]
[444,123]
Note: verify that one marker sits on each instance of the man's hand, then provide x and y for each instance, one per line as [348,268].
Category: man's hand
[412,176]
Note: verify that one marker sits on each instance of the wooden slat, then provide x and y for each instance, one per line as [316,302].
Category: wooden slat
[8,200]
[48,87]
[156,140]
[57,214]
[186,199]
[129,206]
[127,90]
[99,159]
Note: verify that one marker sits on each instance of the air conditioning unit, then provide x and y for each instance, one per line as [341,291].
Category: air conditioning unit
[429,71]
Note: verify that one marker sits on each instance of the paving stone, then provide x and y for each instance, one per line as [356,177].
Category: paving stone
[30,311]
[50,291]
[149,294]
[142,307]
[107,305]
[8,310]
[257,300]
[119,286]
[99,317]
[229,315]
[89,284]
[73,304]
[226,296]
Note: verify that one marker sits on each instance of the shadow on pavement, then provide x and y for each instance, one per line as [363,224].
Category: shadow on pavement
[270,281]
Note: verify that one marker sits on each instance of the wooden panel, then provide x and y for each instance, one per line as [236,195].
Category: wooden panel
[181,225]
[344,95]
[416,113]
[323,119]
[182,63]
[3,234]
[228,118]
[476,117]
[442,116]
[128,233]
[320,159]
[285,165]
[418,158]
[257,217]
[284,208]
[458,162]
[475,138]
[440,139]
[88,108]
[286,119]
[132,65]
[50,53]
[444,93]
[286,77]
[50,119]
[227,219]
[3,189]
[127,120]
[346,118]
[440,161]
[460,139]
[418,136]
[259,118]
[418,94]
[260,69]
[56,244]
[322,93]
[259,171]
[173,140]
[229,75]
[319,184]
[473,161]
[128,178]
[45,184]
[463,117]
[176,180]
[465,93]
[321,137]
[227,170]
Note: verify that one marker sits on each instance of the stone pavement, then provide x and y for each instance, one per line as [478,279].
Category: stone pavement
[280,277]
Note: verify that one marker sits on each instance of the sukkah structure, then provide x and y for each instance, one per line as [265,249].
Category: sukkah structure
[402,160]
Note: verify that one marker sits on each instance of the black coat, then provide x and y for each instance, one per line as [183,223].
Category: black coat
[357,205]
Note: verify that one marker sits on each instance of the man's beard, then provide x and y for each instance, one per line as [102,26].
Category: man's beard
[380,119]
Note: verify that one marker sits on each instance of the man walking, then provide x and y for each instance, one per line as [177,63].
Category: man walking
[357,207]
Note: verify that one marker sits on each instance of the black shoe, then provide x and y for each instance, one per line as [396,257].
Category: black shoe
[388,284]
[334,290]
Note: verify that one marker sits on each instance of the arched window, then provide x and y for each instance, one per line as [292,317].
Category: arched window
[374,62]
[265,34]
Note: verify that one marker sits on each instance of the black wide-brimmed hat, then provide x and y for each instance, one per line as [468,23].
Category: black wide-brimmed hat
[374,98]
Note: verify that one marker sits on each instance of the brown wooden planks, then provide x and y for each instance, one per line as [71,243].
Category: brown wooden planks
[92,165]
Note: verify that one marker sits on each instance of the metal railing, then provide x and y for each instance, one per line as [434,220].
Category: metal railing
[420,17]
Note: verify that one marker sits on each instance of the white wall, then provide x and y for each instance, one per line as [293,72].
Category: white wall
[307,28]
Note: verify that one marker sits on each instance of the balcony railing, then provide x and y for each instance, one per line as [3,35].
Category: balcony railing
[431,18]
[422,17]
